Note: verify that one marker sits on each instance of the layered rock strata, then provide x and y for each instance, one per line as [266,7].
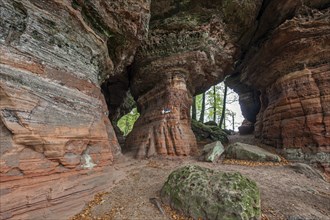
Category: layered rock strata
[55,55]
[53,118]
[289,67]
[164,124]
[191,45]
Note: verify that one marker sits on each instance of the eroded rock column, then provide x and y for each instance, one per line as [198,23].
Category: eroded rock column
[191,46]
[164,125]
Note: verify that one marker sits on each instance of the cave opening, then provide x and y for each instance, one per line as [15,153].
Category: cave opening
[123,112]
[209,106]
[126,122]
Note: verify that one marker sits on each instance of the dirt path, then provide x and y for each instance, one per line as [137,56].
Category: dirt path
[285,194]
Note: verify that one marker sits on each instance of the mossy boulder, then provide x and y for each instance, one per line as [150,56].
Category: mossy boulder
[204,193]
[208,132]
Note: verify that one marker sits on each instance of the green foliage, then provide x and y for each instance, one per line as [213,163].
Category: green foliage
[199,104]
[214,100]
[209,106]
[126,122]
[217,99]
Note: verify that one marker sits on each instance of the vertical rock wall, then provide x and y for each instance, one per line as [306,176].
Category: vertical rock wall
[289,66]
[51,104]
[54,122]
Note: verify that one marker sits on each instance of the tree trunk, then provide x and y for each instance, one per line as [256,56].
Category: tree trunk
[201,117]
[222,119]
[233,120]
[164,125]
[194,109]
[214,105]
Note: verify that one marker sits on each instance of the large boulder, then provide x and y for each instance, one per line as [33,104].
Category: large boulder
[250,152]
[204,193]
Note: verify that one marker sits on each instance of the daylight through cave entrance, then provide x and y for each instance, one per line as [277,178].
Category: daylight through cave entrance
[208,107]
[126,122]
[124,116]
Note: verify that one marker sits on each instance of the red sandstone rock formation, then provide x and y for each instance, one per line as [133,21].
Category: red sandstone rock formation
[190,46]
[55,54]
[164,125]
[288,65]
[54,122]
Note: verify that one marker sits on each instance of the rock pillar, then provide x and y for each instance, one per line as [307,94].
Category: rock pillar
[164,125]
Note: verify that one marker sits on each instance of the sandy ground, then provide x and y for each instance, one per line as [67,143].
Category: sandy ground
[285,193]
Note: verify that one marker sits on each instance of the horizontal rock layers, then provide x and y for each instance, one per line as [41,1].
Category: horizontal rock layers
[286,75]
[55,55]
[164,125]
[53,117]
[191,45]
[56,196]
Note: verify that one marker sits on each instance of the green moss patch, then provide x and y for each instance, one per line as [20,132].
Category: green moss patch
[204,193]
[208,132]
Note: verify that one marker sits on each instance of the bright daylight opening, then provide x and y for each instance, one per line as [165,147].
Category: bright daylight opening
[126,122]
[212,109]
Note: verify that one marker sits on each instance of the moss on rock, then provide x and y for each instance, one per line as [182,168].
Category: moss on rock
[204,193]
[208,132]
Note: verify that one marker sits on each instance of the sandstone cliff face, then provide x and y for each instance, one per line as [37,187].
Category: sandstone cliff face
[53,116]
[288,66]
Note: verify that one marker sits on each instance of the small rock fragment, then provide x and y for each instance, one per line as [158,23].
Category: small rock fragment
[213,151]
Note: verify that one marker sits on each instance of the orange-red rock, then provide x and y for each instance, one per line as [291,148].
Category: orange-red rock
[191,46]
[289,67]
[164,125]
[55,55]
[54,126]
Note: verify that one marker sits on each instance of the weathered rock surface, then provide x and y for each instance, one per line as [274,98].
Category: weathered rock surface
[55,55]
[247,127]
[308,171]
[53,117]
[164,124]
[213,151]
[57,196]
[203,193]
[191,45]
[250,152]
[287,67]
